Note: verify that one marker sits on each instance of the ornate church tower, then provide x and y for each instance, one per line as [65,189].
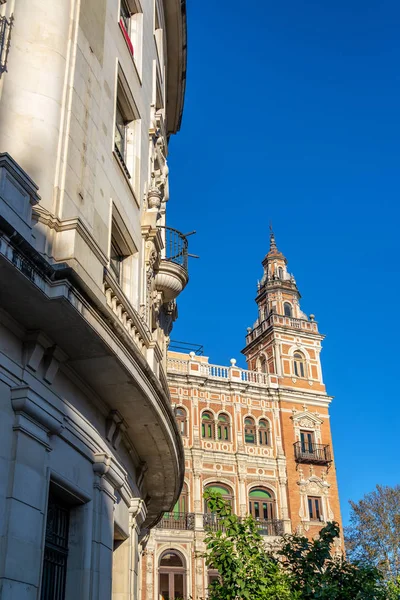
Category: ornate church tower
[286,344]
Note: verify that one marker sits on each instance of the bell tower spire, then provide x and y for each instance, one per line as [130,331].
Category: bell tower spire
[282,332]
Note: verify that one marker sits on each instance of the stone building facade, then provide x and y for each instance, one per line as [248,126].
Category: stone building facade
[90,452]
[260,436]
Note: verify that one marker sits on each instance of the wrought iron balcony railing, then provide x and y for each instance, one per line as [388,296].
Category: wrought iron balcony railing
[5,40]
[176,246]
[318,454]
[271,527]
[173,520]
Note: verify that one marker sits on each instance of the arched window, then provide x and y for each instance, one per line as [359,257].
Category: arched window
[261,504]
[287,309]
[181,417]
[299,366]
[280,273]
[249,431]
[207,426]
[172,573]
[263,432]
[225,492]
[223,428]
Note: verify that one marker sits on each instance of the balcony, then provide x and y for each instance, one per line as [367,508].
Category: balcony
[272,527]
[317,454]
[172,275]
[5,40]
[173,520]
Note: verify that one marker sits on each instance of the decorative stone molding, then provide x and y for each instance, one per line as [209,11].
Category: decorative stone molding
[25,400]
[137,512]
[53,358]
[35,345]
[105,466]
[307,420]
[134,325]
[18,194]
[313,486]
[68,229]
[34,415]
[115,428]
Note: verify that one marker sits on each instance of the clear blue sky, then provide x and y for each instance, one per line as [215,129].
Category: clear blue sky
[292,114]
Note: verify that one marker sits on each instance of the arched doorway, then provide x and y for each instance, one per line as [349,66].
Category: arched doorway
[172,576]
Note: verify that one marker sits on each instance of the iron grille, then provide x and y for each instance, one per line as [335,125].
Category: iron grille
[307,452]
[56,550]
[5,40]
[270,527]
[173,520]
[176,247]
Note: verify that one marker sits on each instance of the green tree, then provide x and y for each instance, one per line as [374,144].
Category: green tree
[300,569]
[373,536]
[247,571]
[318,574]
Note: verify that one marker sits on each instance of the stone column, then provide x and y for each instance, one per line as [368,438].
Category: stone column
[22,545]
[137,515]
[108,478]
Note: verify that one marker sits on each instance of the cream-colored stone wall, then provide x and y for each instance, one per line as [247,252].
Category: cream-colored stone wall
[82,349]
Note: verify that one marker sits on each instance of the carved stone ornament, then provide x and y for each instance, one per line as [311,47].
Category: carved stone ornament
[154,199]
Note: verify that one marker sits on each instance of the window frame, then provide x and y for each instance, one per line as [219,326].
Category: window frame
[171,572]
[182,420]
[228,496]
[223,427]
[207,433]
[315,503]
[290,307]
[266,430]
[271,504]
[127,128]
[250,429]
[299,365]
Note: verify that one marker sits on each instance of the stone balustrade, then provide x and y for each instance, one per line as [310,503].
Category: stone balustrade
[134,325]
[233,373]
[281,321]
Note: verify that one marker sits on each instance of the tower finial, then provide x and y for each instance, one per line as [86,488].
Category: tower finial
[272,243]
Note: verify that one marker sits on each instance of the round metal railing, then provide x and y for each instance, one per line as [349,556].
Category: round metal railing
[176,246]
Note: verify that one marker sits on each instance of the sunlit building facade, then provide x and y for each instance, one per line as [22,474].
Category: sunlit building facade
[90,452]
[261,437]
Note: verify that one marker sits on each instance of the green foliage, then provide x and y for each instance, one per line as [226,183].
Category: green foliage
[318,574]
[300,569]
[373,536]
[247,571]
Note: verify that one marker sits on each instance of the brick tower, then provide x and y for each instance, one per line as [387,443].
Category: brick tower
[260,436]
[286,344]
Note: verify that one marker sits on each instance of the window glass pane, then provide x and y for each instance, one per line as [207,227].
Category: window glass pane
[260,494]
[310,508]
[218,488]
[256,510]
[250,438]
[171,559]
[178,585]
[164,586]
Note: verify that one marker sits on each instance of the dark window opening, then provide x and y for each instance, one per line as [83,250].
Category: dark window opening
[56,549]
